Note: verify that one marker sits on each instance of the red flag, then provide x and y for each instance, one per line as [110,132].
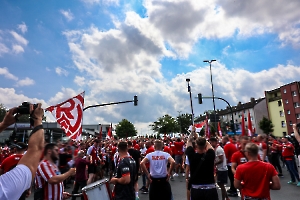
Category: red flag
[243,125]
[219,129]
[109,132]
[100,133]
[68,115]
[207,128]
[250,131]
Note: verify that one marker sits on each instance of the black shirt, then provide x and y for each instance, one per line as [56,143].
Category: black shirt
[126,192]
[135,154]
[204,175]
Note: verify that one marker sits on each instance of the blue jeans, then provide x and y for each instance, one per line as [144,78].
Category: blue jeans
[293,172]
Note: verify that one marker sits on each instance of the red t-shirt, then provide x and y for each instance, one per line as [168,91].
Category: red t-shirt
[137,147]
[239,158]
[10,162]
[288,153]
[229,150]
[257,186]
[178,148]
[172,146]
[168,150]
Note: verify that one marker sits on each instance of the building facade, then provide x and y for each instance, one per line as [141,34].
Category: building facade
[284,108]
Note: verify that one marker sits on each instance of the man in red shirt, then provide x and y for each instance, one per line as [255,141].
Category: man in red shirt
[288,156]
[178,152]
[258,186]
[92,154]
[229,149]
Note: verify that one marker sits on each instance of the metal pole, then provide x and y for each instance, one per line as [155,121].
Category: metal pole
[189,90]
[213,94]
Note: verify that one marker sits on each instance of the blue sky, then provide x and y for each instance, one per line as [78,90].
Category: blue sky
[114,49]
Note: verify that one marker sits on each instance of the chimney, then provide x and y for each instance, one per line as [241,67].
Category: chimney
[252,100]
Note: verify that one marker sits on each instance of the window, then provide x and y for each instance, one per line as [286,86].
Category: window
[245,119]
[291,123]
[281,113]
[275,95]
[288,112]
[251,118]
[286,101]
[296,104]
[283,124]
[294,93]
[284,133]
[284,91]
[298,116]
[279,103]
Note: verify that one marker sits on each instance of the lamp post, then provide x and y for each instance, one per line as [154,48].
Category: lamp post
[212,85]
[189,90]
[179,120]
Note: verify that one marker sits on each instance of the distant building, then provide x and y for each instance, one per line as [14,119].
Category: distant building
[53,132]
[284,108]
[256,107]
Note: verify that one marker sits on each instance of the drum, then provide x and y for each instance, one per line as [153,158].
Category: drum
[97,190]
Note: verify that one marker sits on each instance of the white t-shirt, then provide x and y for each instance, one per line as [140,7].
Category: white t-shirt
[158,163]
[222,166]
[15,182]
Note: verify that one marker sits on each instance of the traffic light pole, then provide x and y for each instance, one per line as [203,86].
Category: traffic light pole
[113,103]
[227,104]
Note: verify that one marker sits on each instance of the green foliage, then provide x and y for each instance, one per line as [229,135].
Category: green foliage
[184,121]
[266,125]
[125,129]
[165,124]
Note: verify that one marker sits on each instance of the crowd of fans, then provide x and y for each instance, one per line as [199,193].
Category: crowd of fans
[202,161]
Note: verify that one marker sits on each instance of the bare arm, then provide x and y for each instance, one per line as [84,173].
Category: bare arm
[233,167]
[221,158]
[9,119]
[143,166]
[35,144]
[60,178]
[275,183]
[123,180]
[172,164]
[237,184]
[297,136]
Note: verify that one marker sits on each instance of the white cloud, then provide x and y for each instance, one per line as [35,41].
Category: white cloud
[102,2]
[25,82]
[22,27]
[10,98]
[67,14]
[60,71]
[79,80]
[4,71]
[19,38]
[17,49]
[3,49]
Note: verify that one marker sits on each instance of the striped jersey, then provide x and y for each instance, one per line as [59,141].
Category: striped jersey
[45,171]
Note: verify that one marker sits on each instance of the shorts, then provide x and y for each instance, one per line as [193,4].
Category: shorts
[204,194]
[222,176]
[15,182]
[92,169]
[178,159]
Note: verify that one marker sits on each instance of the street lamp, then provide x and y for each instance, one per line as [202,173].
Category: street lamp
[212,85]
[189,90]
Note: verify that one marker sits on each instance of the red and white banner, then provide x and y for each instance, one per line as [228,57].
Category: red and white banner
[68,115]
[243,125]
[250,131]
[109,132]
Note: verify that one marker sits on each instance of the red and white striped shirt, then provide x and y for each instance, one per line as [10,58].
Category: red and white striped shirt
[45,171]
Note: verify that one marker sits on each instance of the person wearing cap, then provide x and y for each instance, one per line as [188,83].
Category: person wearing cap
[19,179]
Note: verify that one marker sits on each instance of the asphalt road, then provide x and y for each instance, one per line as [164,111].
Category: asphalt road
[287,192]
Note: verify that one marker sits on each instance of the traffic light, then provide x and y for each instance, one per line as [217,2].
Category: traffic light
[200,98]
[135,100]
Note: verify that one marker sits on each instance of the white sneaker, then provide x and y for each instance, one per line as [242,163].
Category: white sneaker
[183,174]
[175,175]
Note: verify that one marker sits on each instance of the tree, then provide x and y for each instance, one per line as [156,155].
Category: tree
[22,118]
[266,125]
[184,121]
[125,129]
[165,124]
